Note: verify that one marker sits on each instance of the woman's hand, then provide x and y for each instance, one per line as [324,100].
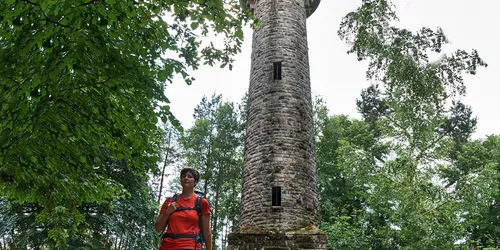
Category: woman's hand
[171,208]
[162,219]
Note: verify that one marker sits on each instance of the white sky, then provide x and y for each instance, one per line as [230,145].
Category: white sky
[339,77]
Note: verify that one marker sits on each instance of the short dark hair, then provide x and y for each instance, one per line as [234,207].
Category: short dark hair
[193,171]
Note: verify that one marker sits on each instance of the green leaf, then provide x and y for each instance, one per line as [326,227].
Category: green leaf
[194,25]
[239,34]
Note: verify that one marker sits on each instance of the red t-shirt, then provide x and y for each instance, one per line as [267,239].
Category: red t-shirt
[183,222]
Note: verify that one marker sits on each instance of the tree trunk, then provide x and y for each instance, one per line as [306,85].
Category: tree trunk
[209,163]
[164,165]
[125,243]
[214,226]
[216,206]
[115,244]
[234,221]
[224,235]
[121,242]
[218,183]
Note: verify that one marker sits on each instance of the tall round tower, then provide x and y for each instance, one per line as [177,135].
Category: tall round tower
[280,196]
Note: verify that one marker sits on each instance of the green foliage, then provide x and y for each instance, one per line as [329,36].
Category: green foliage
[400,58]
[474,177]
[83,85]
[345,171]
[214,145]
[127,220]
[378,176]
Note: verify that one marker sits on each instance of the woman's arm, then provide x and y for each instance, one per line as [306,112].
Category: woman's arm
[161,222]
[207,234]
[162,219]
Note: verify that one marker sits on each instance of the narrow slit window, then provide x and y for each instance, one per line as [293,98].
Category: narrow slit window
[276,196]
[277,71]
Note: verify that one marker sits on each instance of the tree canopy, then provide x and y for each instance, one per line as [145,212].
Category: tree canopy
[83,86]
[389,180]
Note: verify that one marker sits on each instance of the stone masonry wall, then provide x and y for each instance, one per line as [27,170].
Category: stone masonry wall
[279,144]
[277,242]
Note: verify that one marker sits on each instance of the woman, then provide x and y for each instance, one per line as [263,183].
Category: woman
[183,230]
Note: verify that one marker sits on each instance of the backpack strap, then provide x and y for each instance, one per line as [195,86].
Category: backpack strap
[200,217]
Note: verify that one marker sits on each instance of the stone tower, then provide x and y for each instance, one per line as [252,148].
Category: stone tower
[280,196]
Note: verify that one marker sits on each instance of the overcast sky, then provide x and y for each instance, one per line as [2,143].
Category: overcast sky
[339,77]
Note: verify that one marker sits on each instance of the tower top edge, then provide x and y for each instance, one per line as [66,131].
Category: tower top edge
[310,5]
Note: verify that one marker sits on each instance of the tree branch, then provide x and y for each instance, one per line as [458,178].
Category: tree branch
[54,22]
[37,4]
[403,130]
[88,3]
[432,144]
[83,86]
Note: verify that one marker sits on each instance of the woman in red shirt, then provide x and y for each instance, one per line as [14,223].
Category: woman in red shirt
[183,224]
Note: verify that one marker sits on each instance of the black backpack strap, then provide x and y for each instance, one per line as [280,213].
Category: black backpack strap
[177,236]
[200,216]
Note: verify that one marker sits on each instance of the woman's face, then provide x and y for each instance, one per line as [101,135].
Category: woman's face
[187,180]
